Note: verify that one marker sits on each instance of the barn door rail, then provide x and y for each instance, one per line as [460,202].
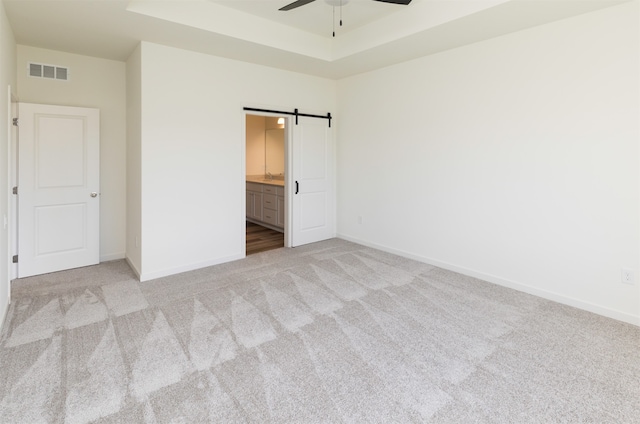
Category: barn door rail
[295,113]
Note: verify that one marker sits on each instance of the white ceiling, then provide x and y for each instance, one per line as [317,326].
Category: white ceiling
[374,34]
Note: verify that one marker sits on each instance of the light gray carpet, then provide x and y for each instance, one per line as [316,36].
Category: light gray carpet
[332,332]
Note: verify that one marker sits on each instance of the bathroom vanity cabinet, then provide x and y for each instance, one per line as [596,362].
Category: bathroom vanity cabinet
[265,204]
[254,201]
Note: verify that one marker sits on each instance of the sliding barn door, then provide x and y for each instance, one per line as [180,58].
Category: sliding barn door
[58,188]
[313,182]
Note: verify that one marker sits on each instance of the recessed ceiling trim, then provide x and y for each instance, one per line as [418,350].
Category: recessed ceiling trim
[222,20]
[418,17]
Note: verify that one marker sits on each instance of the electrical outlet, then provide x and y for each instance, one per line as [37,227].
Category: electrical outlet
[627,276]
[359,220]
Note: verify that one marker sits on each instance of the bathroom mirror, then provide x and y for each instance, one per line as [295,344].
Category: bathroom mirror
[264,146]
[274,151]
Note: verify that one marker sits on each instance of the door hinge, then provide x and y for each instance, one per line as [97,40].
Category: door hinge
[15,259]
[15,122]
[15,190]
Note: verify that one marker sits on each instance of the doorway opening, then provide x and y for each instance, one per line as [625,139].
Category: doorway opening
[265,138]
[261,239]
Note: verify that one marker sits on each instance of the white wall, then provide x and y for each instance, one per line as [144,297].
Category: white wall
[515,160]
[192,162]
[97,83]
[7,78]
[134,162]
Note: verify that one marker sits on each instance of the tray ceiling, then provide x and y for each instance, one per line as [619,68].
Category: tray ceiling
[374,34]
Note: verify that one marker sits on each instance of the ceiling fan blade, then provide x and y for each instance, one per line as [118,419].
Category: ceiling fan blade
[402,2]
[297,3]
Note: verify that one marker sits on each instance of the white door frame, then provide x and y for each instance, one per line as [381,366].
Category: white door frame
[13,182]
[12,204]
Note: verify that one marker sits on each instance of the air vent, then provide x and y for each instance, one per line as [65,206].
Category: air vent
[38,70]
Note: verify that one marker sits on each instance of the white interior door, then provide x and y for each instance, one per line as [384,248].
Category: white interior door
[58,188]
[312,175]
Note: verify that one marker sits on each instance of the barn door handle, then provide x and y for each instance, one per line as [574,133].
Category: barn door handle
[297,188]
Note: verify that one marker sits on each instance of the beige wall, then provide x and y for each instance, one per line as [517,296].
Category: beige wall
[7,78]
[96,83]
[134,163]
[514,160]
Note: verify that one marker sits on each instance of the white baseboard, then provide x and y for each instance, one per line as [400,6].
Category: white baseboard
[133,267]
[3,317]
[545,294]
[112,257]
[191,267]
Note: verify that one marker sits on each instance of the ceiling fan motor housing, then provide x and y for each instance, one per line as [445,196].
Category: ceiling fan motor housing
[336,3]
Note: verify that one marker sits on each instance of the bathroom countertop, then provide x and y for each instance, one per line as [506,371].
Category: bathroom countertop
[262,180]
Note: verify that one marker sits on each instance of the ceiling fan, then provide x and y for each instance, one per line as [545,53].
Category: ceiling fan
[299,3]
[337,3]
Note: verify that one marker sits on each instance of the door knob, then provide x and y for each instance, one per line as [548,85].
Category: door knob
[93,194]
